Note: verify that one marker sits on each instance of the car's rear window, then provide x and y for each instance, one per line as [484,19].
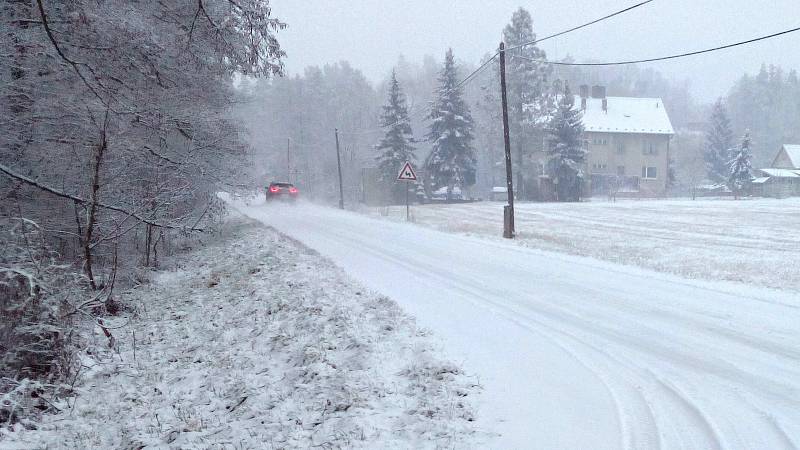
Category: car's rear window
[283,185]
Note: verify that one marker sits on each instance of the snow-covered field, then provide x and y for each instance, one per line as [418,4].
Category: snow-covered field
[578,353]
[753,241]
[258,342]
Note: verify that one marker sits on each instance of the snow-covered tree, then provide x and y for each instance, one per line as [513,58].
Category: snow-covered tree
[115,136]
[741,169]
[395,148]
[527,79]
[672,173]
[719,141]
[768,105]
[567,154]
[452,159]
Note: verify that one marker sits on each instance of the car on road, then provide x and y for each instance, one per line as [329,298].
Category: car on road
[282,191]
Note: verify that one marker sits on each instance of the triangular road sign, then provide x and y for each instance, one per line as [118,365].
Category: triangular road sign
[407,173]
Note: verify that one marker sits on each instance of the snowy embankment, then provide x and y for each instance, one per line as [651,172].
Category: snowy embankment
[259,342]
[753,241]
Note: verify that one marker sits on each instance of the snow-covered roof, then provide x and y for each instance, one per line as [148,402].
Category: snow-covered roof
[793,151]
[500,190]
[626,115]
[760,180]
[722,187]
[781,173]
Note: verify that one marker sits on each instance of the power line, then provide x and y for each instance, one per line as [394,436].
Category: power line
[663,58]
[536,41]
[476,71]
[486,63]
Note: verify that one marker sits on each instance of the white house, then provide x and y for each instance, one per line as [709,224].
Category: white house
[628,139]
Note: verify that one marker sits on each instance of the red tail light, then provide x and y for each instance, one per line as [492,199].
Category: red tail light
[293,190]
[274,189]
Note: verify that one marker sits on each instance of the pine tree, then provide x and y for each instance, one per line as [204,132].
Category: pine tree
[567,154]
[719,141]
[741,169]
[452,160]
[672,173]
[395,148]
[527,78]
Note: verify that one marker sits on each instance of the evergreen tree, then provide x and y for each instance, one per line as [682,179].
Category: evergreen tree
[527,93]
[395,148]
[567,154]
[452,159]
[741,169]
[719,141]
[768,105]
[672,174]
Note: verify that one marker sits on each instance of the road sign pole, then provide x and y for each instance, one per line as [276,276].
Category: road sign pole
[508,210]
[339,165]
[408,213]
[407,175]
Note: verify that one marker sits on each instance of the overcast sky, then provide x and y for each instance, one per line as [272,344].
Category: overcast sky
[372,33]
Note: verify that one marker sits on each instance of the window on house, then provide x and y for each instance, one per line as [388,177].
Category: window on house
[649,172]
[649,148]
[620,148]
[621,171]
[600,141]
[586,144]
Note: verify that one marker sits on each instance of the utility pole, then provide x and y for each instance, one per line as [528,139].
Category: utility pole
[339,165]
[288,162]
[508,210]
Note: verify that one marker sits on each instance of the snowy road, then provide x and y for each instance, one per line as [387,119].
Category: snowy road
[575,353]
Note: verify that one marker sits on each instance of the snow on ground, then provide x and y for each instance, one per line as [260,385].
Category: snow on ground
[753,241]
[258,342]
[577,353]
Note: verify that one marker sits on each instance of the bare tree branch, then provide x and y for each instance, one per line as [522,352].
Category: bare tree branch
[12,174]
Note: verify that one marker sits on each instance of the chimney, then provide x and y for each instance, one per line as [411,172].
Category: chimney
[584,91]
[598,91]
[605,105]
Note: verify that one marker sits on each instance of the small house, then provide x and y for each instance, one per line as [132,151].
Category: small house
[783,178]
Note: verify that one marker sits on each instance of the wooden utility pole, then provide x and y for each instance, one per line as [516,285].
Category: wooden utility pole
[339,165]
[508,210]
[288,162]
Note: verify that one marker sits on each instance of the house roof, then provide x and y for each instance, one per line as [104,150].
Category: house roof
[793,151]
[626,115]
[781,173]
[760,180]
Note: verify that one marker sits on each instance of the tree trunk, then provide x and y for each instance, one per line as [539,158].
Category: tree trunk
[99,152]
[19,100]
[148,240]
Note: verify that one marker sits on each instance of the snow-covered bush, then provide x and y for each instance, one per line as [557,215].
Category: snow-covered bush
[36,351]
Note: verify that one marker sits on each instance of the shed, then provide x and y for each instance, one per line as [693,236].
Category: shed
[779,183]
